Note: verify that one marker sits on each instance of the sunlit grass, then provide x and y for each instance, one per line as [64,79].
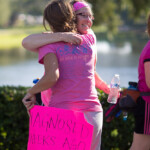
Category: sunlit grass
[12,38]
[21,30]
[9,42]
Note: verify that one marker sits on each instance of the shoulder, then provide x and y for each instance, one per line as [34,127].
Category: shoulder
[145,54]
[46,49]
[146,51]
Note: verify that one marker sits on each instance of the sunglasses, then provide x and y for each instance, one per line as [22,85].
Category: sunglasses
[85,16]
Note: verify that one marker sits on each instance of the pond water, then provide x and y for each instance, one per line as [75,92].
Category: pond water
[113,58]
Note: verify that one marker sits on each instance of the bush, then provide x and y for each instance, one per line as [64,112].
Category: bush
[13,119]
[117,135]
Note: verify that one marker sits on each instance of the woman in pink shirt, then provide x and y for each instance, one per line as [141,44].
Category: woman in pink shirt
[69,68]
[141,137]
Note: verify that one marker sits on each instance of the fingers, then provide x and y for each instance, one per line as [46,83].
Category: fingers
[73,39]
[27,97]
[29,101]
[77,40]
[28,104]
[33,99]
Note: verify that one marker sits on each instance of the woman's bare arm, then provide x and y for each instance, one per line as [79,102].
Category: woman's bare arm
[51,74]
[100,84]
[147,73]
[34,41]
[47,81]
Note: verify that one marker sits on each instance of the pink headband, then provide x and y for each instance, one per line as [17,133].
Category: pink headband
[79,5]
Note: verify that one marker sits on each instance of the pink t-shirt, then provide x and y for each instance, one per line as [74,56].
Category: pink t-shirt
[144,57]
[75,88]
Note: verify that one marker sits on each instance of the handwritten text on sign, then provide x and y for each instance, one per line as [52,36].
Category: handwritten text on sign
[58,129]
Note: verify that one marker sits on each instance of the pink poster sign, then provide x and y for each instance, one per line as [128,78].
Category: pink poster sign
[58,129]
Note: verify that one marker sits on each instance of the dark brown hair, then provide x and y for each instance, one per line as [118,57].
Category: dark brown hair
[148,25]
[60,16]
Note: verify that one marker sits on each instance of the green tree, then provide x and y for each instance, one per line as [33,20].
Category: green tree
[140,6]
[5,12]
[32,7]
[113,13]
[110,13]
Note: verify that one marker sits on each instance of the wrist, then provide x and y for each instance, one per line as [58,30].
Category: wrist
[61,36]
[30,92]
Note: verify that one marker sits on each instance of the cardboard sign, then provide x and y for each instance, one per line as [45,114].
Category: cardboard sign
[58,129]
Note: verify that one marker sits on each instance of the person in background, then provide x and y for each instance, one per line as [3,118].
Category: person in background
[141,136]
[69,68]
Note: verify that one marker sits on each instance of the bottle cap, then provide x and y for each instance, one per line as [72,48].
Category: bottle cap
[35,80]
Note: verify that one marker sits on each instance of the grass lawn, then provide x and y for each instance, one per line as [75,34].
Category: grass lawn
[12,38]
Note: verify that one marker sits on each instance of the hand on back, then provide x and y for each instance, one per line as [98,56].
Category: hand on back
[72,38]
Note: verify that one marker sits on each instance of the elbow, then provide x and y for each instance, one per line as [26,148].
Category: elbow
[53,78]
[25,43]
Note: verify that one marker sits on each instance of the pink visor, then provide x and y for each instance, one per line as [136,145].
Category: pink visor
[79,5]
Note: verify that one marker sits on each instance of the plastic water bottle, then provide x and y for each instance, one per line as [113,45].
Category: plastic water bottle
[114,89]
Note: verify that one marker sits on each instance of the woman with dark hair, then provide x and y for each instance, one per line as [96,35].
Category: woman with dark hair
[69,68]
[141,137]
